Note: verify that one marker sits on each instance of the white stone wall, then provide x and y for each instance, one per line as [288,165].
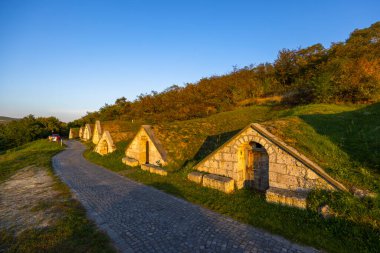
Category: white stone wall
[97,132]
[285,171]
[87,132]
[137,149]
[81,132]
[73,133]
[105,144]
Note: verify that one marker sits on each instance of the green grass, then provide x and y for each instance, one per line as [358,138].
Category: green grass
[346,143]
[37,153]
[72,232]
[343,139]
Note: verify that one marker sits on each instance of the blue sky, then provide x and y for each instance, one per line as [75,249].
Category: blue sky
[64,58]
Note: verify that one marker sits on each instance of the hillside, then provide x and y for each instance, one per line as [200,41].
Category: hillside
[4,119]
[121,130]
[343,139]
[346,72]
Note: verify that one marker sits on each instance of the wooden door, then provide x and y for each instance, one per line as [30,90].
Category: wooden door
[249,167]
[147,152]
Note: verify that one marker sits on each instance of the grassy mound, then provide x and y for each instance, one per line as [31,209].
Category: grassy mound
[121,130]
[342,139]
[36,153]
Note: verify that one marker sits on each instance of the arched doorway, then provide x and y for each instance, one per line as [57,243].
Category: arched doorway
[103,148]
[255,162]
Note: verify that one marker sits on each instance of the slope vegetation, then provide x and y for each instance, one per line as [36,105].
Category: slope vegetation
[343,139]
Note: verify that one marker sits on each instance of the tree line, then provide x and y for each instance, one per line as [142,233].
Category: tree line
[18,132]
[347,72]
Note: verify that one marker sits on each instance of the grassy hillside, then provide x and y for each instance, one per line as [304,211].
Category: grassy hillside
[36,153]
[4,119]
[343,139]
[121,130]
[347,72]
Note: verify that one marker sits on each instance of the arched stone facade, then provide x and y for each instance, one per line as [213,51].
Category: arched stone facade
[285,171]
[282,167]
[145,148]
[105,144]
[81,132]
[97,132]
[87,132]
[253,159]
[74,133]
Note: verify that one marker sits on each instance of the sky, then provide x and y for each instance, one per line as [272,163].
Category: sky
[63,58]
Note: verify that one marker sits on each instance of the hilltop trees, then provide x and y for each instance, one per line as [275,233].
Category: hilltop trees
[346,72]
[29,128]
[354,66]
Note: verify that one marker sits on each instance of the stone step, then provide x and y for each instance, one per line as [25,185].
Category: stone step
[154,169]
[224,184]
[195,176]
[130,161]
[287,197]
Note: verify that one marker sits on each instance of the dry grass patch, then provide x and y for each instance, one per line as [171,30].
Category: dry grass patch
[27,200]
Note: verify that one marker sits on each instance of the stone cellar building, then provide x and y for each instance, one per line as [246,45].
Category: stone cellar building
[87,132]
[97,134]
[81,132]
[147,151]
[74,133]
[105,144]
[255,158]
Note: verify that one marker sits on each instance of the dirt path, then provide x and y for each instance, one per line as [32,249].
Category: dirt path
[25,198]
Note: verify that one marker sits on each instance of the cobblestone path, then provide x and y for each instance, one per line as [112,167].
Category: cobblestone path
[139,218]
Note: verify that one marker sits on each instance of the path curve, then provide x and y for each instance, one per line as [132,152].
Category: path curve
[139,218]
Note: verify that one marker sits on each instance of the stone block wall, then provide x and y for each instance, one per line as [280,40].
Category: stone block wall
[154,169]
[81,132]
[285,170]
[87,132]
[285,197]
[105,144]
[74,133]
[195,176]
[130,161]
[97,132]
[137,149]
[220,183]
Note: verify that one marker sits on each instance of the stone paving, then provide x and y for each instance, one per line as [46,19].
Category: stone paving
[139,218]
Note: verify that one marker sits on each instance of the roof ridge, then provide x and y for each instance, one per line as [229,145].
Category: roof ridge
[156,142]
[293,152]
